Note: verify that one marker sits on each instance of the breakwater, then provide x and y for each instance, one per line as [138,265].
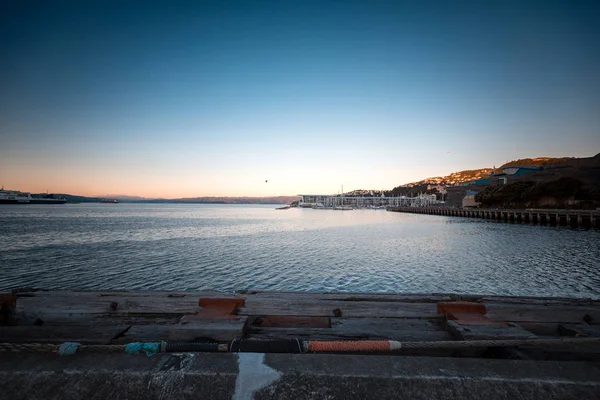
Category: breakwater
[573,218]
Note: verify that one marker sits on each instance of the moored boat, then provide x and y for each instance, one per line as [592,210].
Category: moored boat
[13,197]
[18,197]
[343,208]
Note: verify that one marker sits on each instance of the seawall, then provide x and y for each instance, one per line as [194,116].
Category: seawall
[572,218]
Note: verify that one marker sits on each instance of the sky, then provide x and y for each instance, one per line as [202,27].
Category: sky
[211,98]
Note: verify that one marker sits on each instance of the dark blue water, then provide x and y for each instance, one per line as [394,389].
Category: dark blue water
[233,247]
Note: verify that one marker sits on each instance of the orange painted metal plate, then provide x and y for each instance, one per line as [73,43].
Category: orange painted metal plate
[218,308]
[461,306]
[222,301]
[8,300]
[466,313]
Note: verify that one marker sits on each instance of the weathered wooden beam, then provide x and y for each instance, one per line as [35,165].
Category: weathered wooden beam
[57,334]
[359,329]
[326,308]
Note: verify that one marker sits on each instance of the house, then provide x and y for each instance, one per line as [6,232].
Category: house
[439,188]
[480,181]
[469,199]
[513,171]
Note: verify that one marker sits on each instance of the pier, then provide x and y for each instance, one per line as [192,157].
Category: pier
[572,218]
[296,345]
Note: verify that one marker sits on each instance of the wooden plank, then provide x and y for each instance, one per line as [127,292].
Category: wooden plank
[327,308]
[290,321]
[135,320]
[540,313]
[101,304]
[552,328]
[81,307]
[60,334]
[76,309]
[359,329]
[350,296]
[488,332]
[539,300]
[126,293]
[145,333]
[223,330]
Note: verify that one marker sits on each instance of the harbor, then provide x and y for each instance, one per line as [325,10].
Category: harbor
[300,200]
[322,201]
[166,343]
[572,218]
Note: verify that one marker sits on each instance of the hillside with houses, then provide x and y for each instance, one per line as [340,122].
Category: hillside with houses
[454,178]
[459,177]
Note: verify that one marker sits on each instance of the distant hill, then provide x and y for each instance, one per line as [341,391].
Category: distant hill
[199,200]
[539,161]
[233,200]
[70,197]
[454,178]
[473,174]
[123,197]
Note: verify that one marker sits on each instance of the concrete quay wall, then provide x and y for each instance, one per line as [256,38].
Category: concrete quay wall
[247,376]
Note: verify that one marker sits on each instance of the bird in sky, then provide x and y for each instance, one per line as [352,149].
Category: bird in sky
[266,180]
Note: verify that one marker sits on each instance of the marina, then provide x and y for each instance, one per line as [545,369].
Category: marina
[365,202]
[153,244]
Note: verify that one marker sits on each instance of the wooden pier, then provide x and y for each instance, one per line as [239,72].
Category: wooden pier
[262,345]
[121,317]
[572,218]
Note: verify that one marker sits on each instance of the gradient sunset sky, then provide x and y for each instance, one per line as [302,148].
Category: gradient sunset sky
[182,99]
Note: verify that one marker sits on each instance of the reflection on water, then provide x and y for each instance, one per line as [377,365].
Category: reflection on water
[230,247]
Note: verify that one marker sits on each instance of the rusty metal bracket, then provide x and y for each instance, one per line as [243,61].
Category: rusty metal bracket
[8,302]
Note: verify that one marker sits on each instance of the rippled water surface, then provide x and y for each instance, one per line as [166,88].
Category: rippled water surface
[233,247]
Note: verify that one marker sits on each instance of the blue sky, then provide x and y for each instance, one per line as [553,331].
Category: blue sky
[211,98]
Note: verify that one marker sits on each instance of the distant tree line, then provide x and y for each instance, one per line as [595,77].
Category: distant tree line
[407,191]
[412,191]
[527,193]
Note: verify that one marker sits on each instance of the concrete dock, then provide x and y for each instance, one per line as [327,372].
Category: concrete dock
[439,345]
[246,376]
[572,218]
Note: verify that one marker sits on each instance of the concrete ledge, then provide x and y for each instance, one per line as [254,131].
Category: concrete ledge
[291,376]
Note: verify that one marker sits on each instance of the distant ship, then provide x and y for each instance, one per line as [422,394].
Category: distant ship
[47,199]
[111,201]
[17,197]
[13,197]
